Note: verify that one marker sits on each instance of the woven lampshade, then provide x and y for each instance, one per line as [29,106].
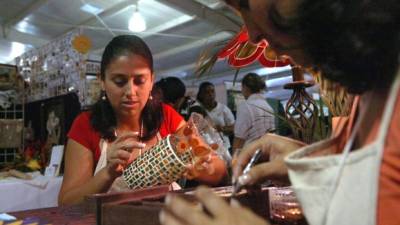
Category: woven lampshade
[301,110]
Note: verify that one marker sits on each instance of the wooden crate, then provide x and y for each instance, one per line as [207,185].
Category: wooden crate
[143,206]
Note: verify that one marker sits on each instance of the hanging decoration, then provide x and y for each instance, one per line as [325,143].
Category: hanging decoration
[82,43]
[241,52]
[301,110]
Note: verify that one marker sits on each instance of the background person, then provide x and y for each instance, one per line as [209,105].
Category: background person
[219,114]
[173,91]
[254,117]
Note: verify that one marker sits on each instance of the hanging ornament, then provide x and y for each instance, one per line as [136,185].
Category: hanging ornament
[82,44]
[301,110]
[241,52]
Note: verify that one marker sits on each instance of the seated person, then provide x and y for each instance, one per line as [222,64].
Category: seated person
[127,120]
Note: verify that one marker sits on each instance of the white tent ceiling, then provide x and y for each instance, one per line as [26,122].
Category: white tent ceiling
[177,30]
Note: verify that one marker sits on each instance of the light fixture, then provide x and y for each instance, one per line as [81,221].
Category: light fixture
[137,22]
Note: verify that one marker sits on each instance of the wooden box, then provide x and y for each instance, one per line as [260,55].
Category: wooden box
[142,207]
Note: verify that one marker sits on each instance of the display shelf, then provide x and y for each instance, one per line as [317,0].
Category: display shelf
[11,132]
[11,114]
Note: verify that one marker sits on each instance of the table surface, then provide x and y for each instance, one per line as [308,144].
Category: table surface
[59,215]
[18,195]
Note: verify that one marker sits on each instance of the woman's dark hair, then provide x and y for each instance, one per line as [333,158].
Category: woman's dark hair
[103,117]
[254,83]
[196,109]
[172,89]
[355,43]
[202,89]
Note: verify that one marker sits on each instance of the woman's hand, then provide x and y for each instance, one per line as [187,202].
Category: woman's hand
[179,211]
[119,152]
[209,170]
[201,165]
[274,148]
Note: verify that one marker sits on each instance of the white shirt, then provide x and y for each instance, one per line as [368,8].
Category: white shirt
[254,118]
[221,115]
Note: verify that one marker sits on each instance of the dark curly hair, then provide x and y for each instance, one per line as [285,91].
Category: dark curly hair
[103,117]
[254,82]
[172,89]
[202,89]
[355,43]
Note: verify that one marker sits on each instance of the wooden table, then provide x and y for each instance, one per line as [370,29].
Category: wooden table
[19,195]
[59,215]
[136,207]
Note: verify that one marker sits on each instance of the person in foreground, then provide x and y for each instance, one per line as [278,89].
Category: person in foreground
[355,43]
[127,120]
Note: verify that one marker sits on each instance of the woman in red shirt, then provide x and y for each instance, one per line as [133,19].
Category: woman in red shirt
[128,119]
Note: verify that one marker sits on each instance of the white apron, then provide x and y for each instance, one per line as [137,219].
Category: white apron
[341,189]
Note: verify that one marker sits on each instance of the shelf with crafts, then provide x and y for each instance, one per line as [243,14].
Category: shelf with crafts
[54,69]
[11,113]
[92,84]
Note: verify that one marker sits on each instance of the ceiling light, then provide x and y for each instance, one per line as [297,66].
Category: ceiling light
[137,22]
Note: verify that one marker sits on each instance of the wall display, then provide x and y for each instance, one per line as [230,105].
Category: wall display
[11,133]
[53,69]
[47,123]
[11,113]
[92,93]
[8,76]
[92,84]
[92,67]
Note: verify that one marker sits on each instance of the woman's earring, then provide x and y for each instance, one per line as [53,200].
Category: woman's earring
[151,97]
[103,95]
